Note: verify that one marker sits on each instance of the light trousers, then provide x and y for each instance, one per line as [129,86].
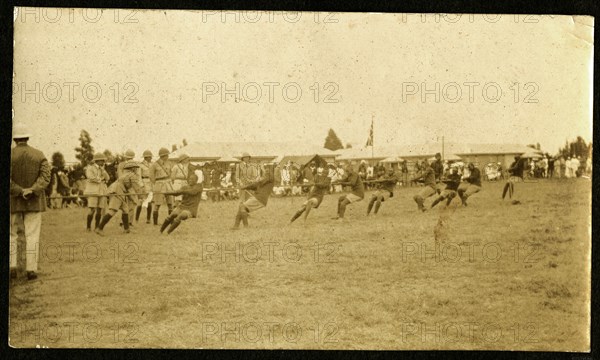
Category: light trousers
[32,221]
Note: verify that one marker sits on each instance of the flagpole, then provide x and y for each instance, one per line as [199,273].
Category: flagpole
[442,147]
[372,140]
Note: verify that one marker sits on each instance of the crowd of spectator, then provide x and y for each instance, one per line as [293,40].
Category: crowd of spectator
[560,167]
[220,180]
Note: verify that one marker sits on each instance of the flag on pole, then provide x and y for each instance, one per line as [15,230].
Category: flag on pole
[370,139]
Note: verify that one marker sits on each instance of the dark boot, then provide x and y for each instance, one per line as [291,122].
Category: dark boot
[90,217]
[98,218]
[148,213]
[166,223]
[100,229]
[138,210]
[506,187]
[170,209]
[173,226]
[244,215]
[155,216]
[370,206]
[125,219]
[436,201]
[377,205]
[297,215]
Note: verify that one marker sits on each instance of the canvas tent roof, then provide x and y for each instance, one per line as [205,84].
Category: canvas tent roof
[359,153]
[228,159]
[270,150]
[449,157]
[428,150]
[303,161]
[531,155]
[392,159]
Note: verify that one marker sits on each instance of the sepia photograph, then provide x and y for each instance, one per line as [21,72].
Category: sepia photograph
[207,179]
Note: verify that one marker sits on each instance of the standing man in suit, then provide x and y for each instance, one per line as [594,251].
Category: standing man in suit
[29,177]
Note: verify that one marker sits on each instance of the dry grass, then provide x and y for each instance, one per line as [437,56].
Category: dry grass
[374,283]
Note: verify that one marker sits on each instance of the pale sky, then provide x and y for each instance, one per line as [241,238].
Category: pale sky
[169,61]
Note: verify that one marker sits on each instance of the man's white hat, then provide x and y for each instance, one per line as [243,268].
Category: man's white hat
[20,131]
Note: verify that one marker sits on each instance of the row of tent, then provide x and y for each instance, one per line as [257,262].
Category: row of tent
[307,159]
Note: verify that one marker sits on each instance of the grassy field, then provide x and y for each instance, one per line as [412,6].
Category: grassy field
[489,276]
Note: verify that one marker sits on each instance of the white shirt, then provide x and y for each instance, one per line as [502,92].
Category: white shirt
[200,175]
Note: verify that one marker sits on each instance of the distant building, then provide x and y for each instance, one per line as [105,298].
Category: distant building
[479,154]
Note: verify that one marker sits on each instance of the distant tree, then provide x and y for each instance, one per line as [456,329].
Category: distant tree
[538,146]
[58,160]
[348,146]
[564,151]
[85,151]
[185,143]
[332,141]
[578,147]
[531,146]
[174,147]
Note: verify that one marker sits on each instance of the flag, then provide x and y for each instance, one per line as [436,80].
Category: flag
[370,139]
